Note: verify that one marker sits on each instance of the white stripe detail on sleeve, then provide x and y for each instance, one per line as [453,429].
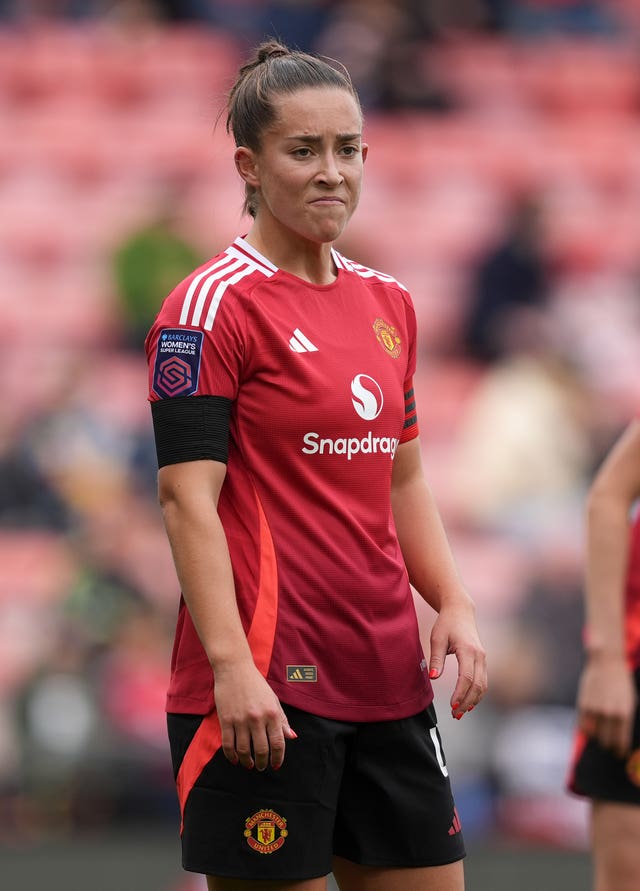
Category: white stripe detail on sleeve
[206,287]
[194,284]
[219,294]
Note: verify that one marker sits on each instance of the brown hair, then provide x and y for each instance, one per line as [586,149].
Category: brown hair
[273,70]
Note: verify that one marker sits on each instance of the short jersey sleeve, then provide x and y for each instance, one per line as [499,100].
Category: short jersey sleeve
[185,360]
[194,376]
[410,427]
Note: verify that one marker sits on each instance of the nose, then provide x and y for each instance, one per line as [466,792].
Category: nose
[329,171]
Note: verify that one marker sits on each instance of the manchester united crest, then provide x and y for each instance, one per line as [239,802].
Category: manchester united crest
[387,335]
[633,767]
[265,831]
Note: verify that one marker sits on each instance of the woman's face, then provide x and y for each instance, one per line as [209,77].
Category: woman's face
[308,170]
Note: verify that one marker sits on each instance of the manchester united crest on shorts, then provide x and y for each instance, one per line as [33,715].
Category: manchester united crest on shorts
[265,831]
[633,767]
[387,335]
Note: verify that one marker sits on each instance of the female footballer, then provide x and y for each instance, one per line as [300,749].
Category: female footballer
[298,514]
[606,761]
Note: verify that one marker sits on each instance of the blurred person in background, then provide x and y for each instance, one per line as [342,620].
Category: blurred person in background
[25,11]
[151,261]
[528,425]
[384,44]
[606,759]
[295,548]
[544,17]
[509,292]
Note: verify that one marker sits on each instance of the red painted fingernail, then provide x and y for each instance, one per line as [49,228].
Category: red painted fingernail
[455,706]
[471,708]
[433,673]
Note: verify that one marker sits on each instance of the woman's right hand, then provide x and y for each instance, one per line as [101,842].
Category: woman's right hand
[253,723]
[607,702]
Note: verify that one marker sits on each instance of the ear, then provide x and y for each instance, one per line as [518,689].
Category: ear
[364,148]
[247,165]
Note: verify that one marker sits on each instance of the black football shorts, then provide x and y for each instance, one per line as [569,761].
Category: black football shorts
[598,773]
[377,794]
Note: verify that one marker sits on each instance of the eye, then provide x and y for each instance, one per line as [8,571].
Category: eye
[350,150]
[302,152]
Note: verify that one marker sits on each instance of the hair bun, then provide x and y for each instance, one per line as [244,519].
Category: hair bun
[272,50]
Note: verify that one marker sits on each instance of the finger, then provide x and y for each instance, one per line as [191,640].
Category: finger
[243,747]
[467,700]
[587,723]
[618,736]
[276,746]
[606,731]
[480,682]
[625,737]
[277,741]
[439,647]
[260,742]
[462,696]
[229,743]
[436,658]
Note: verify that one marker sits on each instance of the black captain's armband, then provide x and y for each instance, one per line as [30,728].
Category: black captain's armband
[191,428]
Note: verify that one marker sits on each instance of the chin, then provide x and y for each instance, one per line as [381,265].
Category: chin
[331,233]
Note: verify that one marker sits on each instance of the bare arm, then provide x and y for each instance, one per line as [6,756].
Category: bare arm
[251,717]
[606,698]
[433,573]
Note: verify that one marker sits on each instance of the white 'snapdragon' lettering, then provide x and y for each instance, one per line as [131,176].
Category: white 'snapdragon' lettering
[315,444]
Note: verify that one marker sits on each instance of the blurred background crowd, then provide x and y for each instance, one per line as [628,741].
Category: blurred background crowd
[502,188]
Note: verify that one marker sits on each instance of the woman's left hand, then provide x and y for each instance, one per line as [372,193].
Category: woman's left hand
[455,632]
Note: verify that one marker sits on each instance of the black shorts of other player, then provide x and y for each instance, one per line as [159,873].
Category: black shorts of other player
[599,774]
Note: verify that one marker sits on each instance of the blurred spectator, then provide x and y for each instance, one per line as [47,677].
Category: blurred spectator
[383,45]
[185,10]
[296,23]
[509,289]
[442,20]
[536,662]
[541,17]
[524,449]
[26,497]
[33,10]
[151,261]
[539,656]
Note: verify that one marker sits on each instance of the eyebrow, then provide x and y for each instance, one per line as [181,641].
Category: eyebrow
[314,140]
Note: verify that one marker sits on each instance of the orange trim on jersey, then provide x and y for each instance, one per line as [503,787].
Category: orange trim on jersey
[262,632]
[208,737]
[579,743]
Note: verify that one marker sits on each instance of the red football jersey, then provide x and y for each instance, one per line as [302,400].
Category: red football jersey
[632,619]
[320,377]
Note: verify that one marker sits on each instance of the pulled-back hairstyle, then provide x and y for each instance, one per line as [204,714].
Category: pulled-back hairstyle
[274,70]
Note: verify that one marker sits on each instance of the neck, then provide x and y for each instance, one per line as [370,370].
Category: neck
[309,260]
